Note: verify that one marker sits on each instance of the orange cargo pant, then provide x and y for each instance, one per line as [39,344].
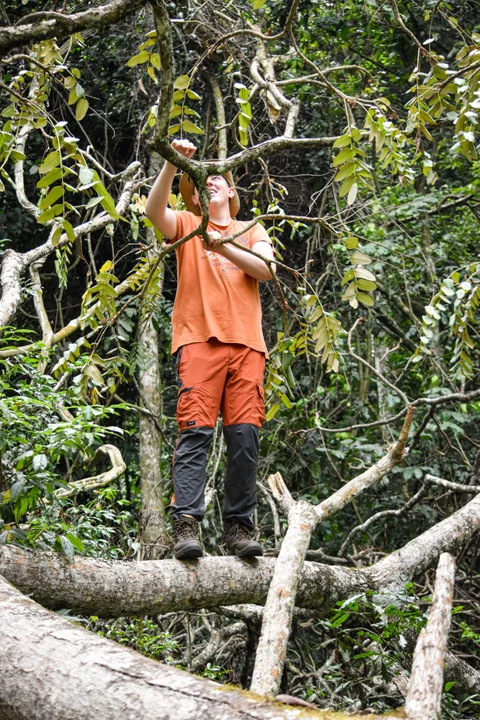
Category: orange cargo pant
[215,376]
[212,377]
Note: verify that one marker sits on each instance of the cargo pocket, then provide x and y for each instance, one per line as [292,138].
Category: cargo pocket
[195,408]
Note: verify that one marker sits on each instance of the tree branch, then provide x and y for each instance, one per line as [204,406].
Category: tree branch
[61,25]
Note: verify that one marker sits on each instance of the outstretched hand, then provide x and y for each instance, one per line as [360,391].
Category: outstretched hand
[184,147]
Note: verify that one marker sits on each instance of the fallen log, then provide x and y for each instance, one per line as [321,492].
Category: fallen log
[117,588]
[53,669]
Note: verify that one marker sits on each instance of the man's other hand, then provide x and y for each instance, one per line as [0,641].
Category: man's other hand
[184,147]
[214,240]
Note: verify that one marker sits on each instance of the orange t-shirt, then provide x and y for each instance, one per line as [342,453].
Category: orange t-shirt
[214,297]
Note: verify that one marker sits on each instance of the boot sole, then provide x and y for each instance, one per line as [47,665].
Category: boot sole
[249,552]
[192,550]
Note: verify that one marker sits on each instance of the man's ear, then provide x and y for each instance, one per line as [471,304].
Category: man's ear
[195,198]
[231,191]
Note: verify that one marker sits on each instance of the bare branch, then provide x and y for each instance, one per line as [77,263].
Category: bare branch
[101,480]
[378,516]
[450,485]
[348,492]
[280,492]
[426,681]
[373,369]
[61,25]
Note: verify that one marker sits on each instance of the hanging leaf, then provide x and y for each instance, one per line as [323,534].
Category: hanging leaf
[352,194]
[52,196]
[365,299]
[342,141]
[51,161]
[189,127]
[155,60]
[182,82]
[81,109]
[359,258]
[50,178]
[139,59]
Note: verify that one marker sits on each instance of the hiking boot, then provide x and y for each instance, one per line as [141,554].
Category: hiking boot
[186,535]
[239,541]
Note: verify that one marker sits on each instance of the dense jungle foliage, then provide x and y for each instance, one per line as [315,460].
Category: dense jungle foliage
[376,303]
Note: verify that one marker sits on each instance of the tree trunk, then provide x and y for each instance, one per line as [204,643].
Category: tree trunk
[154,540]
[53,669]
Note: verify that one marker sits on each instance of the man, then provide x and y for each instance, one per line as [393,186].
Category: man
[220,355]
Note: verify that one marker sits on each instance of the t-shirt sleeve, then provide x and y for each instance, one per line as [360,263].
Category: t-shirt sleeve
[184,224]
[259,234]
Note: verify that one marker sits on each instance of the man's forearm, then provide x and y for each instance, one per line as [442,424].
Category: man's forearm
[250,264]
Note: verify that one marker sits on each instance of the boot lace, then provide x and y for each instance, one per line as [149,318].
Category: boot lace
[185,528]
[237,531]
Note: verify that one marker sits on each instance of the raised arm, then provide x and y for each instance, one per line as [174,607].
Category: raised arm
[157,209]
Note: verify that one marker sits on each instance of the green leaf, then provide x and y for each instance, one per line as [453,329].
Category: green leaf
[258,4]
[189,127]
[52,196]
[351,242]
[50,178]
[272,411]
[342,141]
[176,110]
[72,95]
[68,227]
[56,235]
[81,109]
[193,95]
[182,82]
[155,61]
[51,161]
[49,214]
[76,542]
[365,299]
[343,156]
[345,171]
[366,285]
[139,59]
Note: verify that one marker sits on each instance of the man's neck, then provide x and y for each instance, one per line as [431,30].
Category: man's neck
[220,216]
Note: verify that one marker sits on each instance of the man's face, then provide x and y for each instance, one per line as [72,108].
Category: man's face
[220,191]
